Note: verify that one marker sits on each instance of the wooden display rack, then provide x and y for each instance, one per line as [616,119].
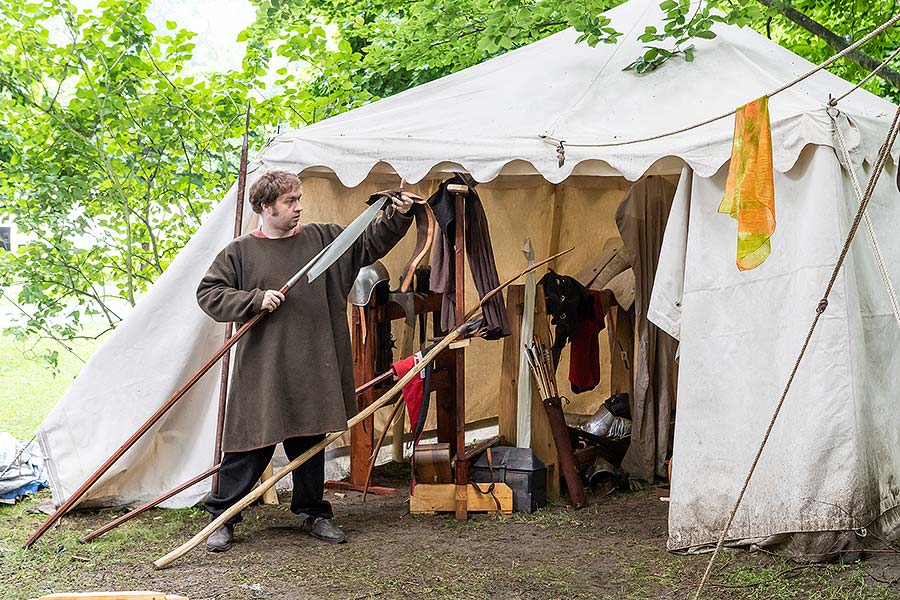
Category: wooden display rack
[447,381]
[364,341]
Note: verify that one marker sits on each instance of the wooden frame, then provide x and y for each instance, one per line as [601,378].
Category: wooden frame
[443,497]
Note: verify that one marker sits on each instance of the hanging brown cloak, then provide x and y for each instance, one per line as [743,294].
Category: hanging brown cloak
[641,218]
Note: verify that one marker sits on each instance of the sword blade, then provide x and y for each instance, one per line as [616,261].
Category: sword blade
[336,249]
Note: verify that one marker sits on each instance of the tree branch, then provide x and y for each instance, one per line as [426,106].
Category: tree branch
[834,40]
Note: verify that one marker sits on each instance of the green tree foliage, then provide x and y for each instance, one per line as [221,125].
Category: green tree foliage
[846,20]
[109,152]
[112,149]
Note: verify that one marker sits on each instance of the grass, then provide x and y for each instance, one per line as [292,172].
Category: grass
[61,562]
[449,569]
[29,389]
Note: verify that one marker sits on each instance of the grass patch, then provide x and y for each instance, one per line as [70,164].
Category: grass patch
[781,579]
[59,561]
[29,389]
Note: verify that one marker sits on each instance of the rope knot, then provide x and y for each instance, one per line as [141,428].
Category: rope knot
[561,153]
[823,304]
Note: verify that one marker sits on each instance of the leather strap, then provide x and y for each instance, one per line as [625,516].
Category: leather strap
[425,228]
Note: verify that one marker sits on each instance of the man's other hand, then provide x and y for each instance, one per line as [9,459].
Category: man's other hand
[272,299]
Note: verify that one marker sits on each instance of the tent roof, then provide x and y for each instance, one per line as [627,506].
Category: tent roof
[488,119]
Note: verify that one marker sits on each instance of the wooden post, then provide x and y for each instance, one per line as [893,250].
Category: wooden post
[458,445]
[229,327]
[556,201]
[363,344]
[507,408]
[271,495]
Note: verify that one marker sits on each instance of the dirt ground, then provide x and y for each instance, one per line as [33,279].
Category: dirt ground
[612,550]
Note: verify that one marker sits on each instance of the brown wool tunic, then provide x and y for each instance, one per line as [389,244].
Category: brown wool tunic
[293,373]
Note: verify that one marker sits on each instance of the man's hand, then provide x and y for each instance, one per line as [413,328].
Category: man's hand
[403,201]
[272,299]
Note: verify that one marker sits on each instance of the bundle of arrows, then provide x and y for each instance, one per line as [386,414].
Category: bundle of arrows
[542,370]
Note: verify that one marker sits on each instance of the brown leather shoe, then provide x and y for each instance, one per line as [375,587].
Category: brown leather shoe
[221,539]
[323,529]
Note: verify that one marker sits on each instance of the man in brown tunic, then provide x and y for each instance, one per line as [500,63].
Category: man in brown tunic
[293,377]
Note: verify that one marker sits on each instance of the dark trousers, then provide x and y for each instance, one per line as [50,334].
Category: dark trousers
[241,470]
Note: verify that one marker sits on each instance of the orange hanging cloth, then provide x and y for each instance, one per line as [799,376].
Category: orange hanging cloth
[750,189]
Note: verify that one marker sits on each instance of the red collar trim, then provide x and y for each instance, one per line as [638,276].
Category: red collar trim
[258,233]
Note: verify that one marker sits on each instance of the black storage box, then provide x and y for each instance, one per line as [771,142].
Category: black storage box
[521,470]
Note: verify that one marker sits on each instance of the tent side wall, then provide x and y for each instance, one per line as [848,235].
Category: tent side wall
[875,350]
[164,340]
[740,336]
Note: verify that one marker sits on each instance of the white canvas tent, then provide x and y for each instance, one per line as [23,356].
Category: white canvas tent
[833,458]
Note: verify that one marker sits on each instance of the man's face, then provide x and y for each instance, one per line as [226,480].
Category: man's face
[284,213]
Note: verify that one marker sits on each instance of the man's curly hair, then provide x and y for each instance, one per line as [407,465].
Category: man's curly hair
[267,188]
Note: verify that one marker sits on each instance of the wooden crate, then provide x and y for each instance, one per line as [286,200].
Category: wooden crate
[441,497]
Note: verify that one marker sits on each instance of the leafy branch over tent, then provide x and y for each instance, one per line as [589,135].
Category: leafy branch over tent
[112,144]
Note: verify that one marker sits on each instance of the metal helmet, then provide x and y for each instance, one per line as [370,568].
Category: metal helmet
[368,278]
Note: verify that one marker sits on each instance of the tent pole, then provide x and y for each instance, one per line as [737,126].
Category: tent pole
[229,327]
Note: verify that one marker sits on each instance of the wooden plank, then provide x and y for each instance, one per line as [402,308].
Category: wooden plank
[541,434]
[271,496]
[113,596]
[362,436]
[479,447]
[509,368]
[459,445]
[441,497]
[373,489]
[460,344]
[556,201]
